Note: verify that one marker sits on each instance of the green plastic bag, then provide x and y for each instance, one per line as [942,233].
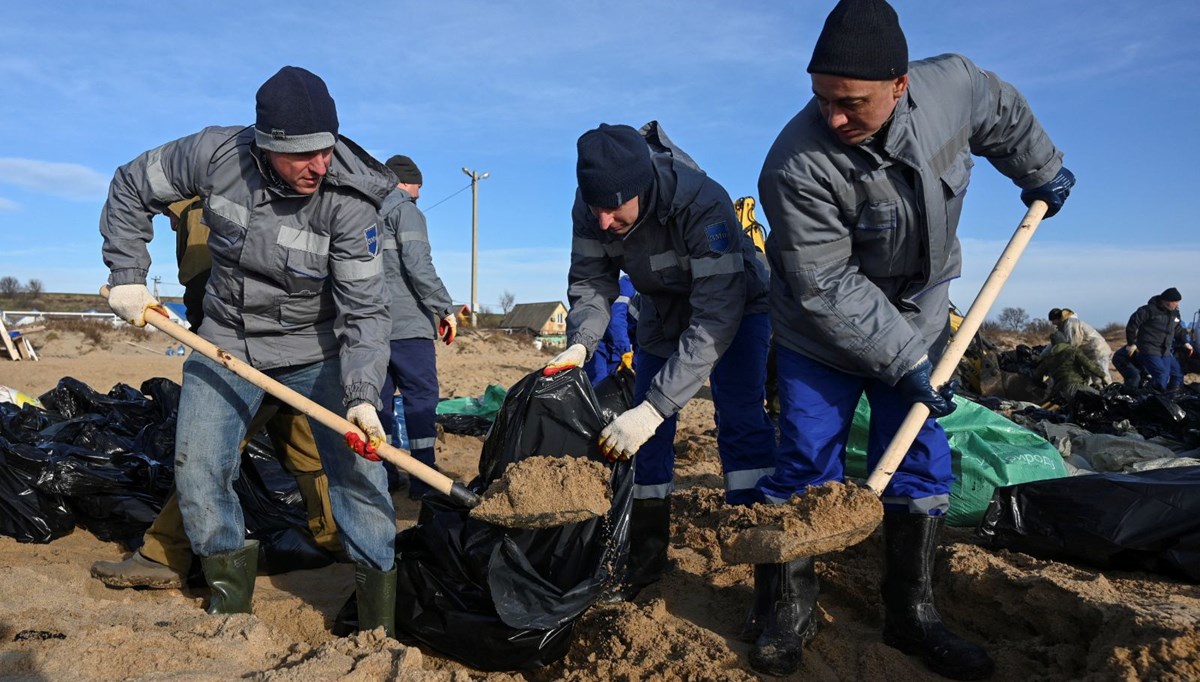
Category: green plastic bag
[987,451]
[486,406]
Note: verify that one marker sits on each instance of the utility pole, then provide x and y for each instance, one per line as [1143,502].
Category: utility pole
[475,178]
[156,281]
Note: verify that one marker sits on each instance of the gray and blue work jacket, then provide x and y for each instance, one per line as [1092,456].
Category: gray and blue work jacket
[418,299]
[863,239]
[696,273]
[295,278]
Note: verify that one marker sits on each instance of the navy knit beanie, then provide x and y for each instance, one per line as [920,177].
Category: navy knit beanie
[614,165]
[405,169]
[1055,315]
[1170,295]
[861,39]
[295,113]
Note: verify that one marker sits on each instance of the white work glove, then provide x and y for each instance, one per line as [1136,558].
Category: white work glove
[129,302]
[1188,346]
[448,328]
[626,434]
[364,416]
[1132,348]
[573,356]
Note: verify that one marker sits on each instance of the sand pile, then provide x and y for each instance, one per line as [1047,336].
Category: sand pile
[543,492]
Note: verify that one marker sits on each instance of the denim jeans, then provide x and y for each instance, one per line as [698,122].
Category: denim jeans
[215,408]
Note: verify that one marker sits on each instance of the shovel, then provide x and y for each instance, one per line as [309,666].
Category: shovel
[833,527]
[399,457]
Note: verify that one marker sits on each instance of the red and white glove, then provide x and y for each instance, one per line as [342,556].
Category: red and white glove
[364,416]
[448,328]
[573,356]
[626,434]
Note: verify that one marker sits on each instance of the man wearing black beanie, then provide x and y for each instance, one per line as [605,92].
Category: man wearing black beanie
[1151,335]
[295,291]
[863,189]
[644,207]
[421,311]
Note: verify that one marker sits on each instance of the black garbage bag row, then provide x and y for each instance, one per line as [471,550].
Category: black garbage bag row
[105,462]
[1147,521]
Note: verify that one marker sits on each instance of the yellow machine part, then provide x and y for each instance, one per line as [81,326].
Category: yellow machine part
[744,208]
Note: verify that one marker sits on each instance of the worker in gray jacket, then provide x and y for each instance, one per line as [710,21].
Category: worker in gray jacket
[863,190]
[421,311]
[643,206]
[295,291]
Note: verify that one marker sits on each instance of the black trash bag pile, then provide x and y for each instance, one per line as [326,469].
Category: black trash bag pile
[507,599]
[1174,415]
[105,462]
[464,424]
[1148,521]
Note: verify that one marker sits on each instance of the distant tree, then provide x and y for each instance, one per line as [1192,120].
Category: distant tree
[34,288]
[507,300]
[1113,330]
[9,287]
[1013,319]
[1040,328]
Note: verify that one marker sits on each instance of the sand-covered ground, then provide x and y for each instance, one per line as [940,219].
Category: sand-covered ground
[1041,620]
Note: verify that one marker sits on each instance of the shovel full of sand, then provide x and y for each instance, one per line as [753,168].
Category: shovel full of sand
[834,516]
[522,501]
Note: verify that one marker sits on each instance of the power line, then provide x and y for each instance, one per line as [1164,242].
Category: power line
[430,208]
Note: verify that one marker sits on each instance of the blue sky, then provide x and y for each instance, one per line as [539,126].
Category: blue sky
[507,88]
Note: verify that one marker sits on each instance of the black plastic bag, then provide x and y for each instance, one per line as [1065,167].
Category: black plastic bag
[1141,521]
[507,599]
[26,513]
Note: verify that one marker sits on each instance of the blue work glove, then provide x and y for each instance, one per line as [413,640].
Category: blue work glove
[1054,193]
[915,387]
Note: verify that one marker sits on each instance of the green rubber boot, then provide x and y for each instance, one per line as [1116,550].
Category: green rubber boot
[230,576]
[375,592]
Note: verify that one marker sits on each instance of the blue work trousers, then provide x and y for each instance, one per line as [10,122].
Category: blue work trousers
[817,406]
[215,408]
[1157,368]
[745,434]
[412,369]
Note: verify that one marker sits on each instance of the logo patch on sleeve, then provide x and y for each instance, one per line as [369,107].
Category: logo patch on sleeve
[372,236]
[718,237]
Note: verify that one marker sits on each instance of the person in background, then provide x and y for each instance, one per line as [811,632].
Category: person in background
[1084,337]
[863,190]
[1127,365]
[619,337]
[1069,368]
[421,311]
[296,292]
[165,557]
[1152,332]
[644,207]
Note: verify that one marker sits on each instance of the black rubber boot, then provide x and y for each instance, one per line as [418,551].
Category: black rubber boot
[911,622]
[790,622]
[230,576]
[649,535]
[375,592]
[766,584]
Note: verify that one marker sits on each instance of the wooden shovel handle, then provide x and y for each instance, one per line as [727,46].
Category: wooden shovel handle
[911,426]
[158,318]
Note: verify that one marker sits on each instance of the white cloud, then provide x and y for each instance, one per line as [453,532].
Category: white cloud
[8,206]
[66,180]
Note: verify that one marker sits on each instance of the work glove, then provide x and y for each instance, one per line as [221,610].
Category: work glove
[1188,346]
[1131,349]
[1054,193]
[622,438]
[447,328]
[915,387]
[573,356]
[364,416]
[129,302]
